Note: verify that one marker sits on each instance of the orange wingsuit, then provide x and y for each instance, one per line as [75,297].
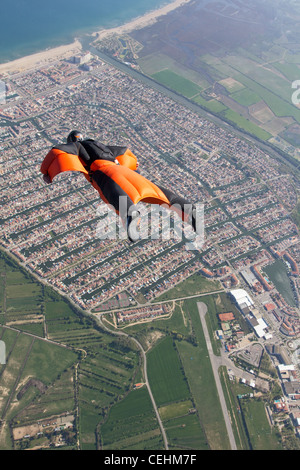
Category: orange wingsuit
[112,171]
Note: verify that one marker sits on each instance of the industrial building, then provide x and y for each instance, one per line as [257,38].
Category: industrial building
[246,305]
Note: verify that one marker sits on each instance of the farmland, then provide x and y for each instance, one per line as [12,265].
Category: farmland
[71,383]
[176,82]
[258,427]
[236,60]
[165,374]
[120,430]
[59,363]
[67,381]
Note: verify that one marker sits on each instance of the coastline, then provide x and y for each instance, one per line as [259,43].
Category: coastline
[141,21]
[47,56]
[40,59]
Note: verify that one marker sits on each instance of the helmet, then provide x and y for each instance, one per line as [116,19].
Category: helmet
[74,136]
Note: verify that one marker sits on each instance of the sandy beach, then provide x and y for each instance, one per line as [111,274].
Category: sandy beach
[40,59]
[43,58]
[142,21]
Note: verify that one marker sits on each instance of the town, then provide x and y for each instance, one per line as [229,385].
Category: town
[55,230]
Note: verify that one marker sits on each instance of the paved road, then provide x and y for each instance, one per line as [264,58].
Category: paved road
[202,308]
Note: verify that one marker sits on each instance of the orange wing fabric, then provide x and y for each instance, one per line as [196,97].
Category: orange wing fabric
[128,159]
[57,161]
[136,186]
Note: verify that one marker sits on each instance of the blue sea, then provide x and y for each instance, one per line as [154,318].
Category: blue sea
[29,26]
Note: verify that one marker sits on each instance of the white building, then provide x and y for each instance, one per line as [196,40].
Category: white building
[246,304]
[260,328]
[242,297]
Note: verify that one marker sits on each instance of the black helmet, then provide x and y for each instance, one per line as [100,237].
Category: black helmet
[74,136]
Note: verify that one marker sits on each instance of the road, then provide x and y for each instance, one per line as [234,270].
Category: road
[146,379]
[150,303]
[202,308]
[151,395]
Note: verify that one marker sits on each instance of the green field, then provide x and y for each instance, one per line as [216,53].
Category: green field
[202,383]
[261,435]
[212,105]
[247,125]
[262,83]
[245,97]
[185,432]
[105,366]
[249,76]
[132,424]
[195,284]
[252,93]
[165,374]
[173,395]
[71,366]
[174,410]
[289,69]
[177,83]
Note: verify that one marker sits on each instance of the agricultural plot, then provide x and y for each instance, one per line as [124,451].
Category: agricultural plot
[246,89]
[236,62]
[231,85]
[61,322]
[288,69]
[264,74]
[260,434]
[280,106]
[157,62]
[182,425]
[83,379]
[173,396]
[247,125]
[177,83]
[212,105]
[245,97]
[266,97]
[20,300]
[167,379]
[132,424]
[39,379]
[185,432]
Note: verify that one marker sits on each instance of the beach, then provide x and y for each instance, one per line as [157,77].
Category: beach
[40,59]
[47,56]
[142,21]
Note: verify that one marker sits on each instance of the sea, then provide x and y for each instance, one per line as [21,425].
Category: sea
[30,26]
